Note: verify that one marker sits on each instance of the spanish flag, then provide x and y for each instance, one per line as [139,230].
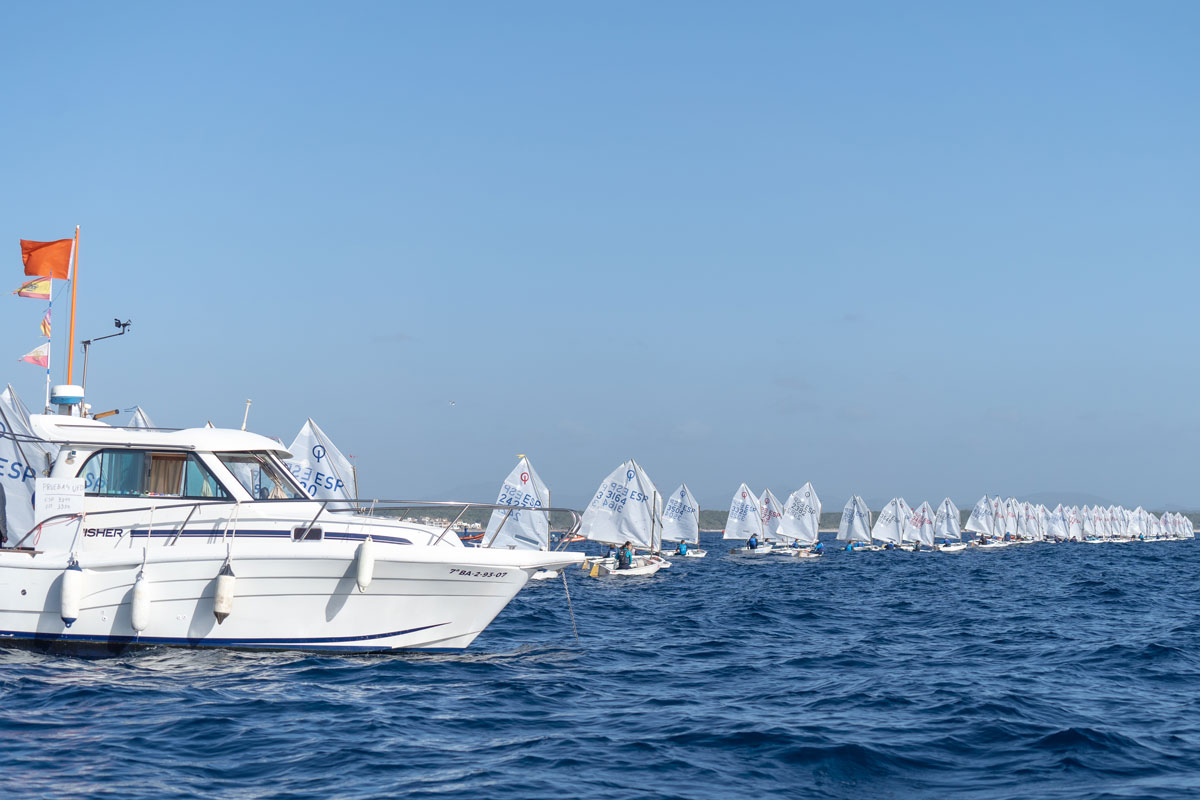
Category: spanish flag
[39,355]
[38,289]
[48,259]
[46,324]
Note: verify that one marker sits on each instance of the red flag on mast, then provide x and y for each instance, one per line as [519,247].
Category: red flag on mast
[48,259]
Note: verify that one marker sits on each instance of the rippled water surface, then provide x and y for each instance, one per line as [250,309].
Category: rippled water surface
[1042,671]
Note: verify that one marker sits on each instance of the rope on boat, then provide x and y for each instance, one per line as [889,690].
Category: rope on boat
[570,608]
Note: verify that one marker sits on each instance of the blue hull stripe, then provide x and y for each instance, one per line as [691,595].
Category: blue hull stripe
[318,643]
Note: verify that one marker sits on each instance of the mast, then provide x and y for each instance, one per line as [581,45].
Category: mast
[71,333]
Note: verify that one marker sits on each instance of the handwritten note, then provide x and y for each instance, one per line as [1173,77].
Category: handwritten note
[55,496]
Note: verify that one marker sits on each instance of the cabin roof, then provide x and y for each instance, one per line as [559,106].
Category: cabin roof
[84,432]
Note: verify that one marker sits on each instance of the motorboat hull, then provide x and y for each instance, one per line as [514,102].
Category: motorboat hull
[308,599]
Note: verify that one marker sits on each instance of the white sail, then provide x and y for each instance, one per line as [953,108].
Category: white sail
[1043,521]
[681,517]
[1074,522]
[23,457]
[772,515]
[745,515]
[889,525]
[919,527]
[1011,513]
[625,508]
[801,516]
[982,519]
[856,521]
[947,521]
[520,530]
[140,419]
[1033,530]
[320,467]
[1088,523]
[1057,526]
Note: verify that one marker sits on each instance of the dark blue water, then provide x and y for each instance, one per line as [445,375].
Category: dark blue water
[1069,671]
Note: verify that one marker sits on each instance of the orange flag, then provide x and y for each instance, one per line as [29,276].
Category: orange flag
[48,259]
[38,289]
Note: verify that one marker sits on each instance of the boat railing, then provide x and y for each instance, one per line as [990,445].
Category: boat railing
[397,510]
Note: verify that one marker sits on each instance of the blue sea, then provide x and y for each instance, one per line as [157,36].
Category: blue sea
[1042,671]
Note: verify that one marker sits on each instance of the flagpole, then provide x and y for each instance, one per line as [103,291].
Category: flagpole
[50,311]
[71,333]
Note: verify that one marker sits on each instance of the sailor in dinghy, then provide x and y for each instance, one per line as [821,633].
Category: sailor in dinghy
[801,521]
[889,525]
[626,508]
[946,527]
[918,530]
[681,523]
[855,526]
[745,522]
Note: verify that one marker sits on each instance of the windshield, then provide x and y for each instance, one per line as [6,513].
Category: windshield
[260,476]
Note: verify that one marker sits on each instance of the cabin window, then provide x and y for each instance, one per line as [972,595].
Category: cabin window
[198,481]
[260,476]
[164,474]
[114,473]
[138,473]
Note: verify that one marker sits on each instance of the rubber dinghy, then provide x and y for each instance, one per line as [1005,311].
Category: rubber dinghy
[625,509]
[745,521]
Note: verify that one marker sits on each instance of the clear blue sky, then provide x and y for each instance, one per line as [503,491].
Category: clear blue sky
[891,248]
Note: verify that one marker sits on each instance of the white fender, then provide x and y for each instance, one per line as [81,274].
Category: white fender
[140,607]
[223,599]
[366,564]
[70,593]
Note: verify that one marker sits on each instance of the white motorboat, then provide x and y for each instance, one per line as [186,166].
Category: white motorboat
[202,538]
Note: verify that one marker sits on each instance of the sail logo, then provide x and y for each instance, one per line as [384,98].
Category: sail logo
[318,452]
[15,470]
[524,477]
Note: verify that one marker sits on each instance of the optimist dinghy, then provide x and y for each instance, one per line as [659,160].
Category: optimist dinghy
[918,529]
[855,527]
[801,521]
[745,519]
[681,521]
[514,529]
[946,528]
[626,507]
